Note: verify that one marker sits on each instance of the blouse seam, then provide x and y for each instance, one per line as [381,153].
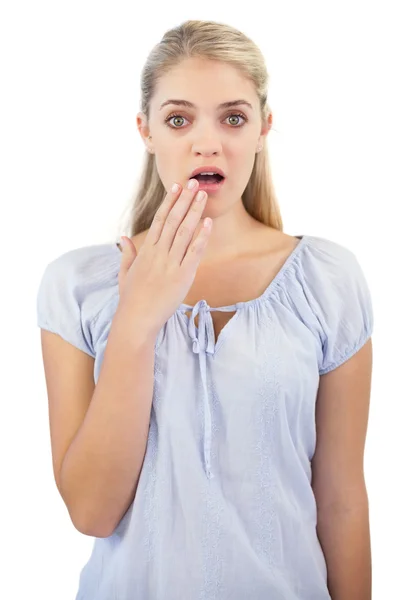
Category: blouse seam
[349,353]
[94,319]
[287,266]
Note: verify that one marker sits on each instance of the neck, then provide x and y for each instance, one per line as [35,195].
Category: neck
[230,234]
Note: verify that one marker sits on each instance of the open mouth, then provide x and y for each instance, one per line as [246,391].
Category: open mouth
[210,183]
[209,179]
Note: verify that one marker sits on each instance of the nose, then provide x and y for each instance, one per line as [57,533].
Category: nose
[207,143]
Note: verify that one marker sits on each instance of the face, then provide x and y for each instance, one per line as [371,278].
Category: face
[205,134]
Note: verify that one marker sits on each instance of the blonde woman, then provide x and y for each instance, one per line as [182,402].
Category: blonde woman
[209,382]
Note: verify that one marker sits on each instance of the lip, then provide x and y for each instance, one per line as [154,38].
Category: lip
[208,168]
[210,187]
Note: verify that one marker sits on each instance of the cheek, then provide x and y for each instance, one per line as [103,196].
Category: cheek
[241,147]
[241,156]
[167,169]
[241,163]
[171,157]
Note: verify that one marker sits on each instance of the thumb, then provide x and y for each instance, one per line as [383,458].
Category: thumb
[128,253]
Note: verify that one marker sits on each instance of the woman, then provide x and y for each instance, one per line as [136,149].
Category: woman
[209,384]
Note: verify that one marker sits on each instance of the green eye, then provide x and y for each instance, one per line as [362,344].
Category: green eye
[174,117]
[232,115]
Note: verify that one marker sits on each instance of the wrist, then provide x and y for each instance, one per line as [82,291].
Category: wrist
[134,326]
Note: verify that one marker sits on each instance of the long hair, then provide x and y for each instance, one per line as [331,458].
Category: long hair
[218,42]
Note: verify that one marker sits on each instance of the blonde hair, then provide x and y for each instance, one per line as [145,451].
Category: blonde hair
[218,42]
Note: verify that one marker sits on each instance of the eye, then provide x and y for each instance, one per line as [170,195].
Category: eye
[178,116]
[238,116]
[174,116]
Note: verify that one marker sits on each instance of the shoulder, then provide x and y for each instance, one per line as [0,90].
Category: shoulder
[315,263]
[88,260]
[328,265]
[326,250]
[315,256]
[337,292]
[84,277]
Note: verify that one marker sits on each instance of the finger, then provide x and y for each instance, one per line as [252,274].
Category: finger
[186,230]
[177,214]
[157,224]
[193,256]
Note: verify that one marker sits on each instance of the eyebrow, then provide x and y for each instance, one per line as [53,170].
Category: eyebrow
[190,105]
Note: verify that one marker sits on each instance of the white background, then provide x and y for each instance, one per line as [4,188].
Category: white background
[70,157]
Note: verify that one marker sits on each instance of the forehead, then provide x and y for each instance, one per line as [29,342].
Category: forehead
[203,81]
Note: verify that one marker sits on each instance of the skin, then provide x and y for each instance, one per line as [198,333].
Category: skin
[206,135]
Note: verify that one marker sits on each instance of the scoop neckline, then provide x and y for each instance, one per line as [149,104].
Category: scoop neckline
[303,239]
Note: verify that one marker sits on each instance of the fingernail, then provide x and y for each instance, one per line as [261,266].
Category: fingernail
[175,188]
[192,184]
[200,196]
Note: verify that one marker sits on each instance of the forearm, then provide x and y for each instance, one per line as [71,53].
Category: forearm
[344,535]
[101,468]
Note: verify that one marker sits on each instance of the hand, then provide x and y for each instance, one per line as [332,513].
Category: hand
[154,281]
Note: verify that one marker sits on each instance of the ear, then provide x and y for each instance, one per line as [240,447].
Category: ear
[266,126]
[143,127]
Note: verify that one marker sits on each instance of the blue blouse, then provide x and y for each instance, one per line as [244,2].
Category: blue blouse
[224,508]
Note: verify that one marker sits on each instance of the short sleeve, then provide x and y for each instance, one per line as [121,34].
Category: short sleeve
[345,305]
[62,303]
[339,297]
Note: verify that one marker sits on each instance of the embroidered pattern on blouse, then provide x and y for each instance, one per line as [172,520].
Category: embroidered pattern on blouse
[212,511]
[151,500]
[264,424]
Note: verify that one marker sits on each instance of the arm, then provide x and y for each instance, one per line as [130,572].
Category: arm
[338,476]
[101,468]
